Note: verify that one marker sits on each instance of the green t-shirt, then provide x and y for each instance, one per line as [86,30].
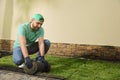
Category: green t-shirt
[30,35]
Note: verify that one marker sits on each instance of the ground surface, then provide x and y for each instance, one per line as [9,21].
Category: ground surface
[69,68]
[10,75]
[14,74]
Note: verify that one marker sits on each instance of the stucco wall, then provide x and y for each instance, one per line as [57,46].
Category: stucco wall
[93,22]
[2,9]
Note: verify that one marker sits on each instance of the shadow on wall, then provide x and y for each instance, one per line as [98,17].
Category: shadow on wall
[7,22]
[22,13]
[23,7]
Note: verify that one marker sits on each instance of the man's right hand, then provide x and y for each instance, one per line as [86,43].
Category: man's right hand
[41,58]
[28,62]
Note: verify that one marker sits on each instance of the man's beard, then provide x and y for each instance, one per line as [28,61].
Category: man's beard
[35,28]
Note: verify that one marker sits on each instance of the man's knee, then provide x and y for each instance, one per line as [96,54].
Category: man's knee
[47,45]
[47,42]
[18,61]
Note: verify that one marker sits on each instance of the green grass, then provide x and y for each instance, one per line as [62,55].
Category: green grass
[77,69]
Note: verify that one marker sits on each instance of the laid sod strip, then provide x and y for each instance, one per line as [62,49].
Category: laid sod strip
[77,69]
[7,61]
[84,69]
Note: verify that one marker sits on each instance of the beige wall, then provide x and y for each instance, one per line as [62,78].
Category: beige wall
[2,9]
[69,21]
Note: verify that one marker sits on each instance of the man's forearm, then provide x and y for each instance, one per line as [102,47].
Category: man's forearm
[41,48]
[24,51]
[23,46]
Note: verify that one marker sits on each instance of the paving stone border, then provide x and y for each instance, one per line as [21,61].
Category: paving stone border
[10,75]
[38,76]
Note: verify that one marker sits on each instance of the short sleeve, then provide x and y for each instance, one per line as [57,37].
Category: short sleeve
[41,32]
[21,30]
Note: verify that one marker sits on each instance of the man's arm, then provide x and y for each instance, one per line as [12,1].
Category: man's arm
[41,45]
[25,51]
[23,46]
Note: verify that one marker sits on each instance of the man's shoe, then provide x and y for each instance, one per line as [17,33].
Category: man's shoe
[22,65]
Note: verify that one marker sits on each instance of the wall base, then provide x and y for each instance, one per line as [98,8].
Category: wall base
[73,50]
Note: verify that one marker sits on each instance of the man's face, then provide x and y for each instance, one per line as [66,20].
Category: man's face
[36,24]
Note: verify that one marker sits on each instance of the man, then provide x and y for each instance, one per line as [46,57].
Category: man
[26,44]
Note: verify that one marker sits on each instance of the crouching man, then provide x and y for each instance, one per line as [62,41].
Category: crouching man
[25,43]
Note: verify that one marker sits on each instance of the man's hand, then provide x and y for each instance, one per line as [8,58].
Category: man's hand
[28,62]
[41,58]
